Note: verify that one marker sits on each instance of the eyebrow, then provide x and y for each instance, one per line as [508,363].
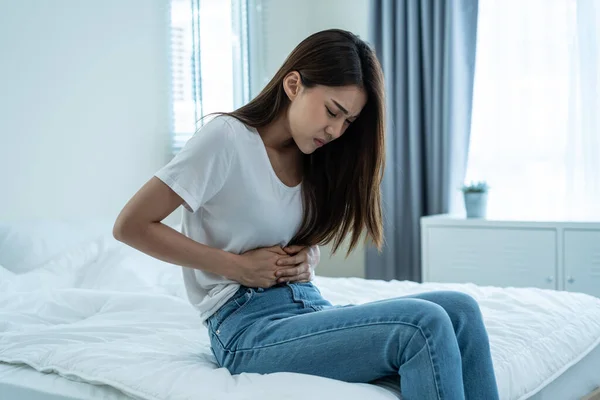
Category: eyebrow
[342,109]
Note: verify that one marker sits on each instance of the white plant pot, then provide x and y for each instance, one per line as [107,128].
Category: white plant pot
[476,204]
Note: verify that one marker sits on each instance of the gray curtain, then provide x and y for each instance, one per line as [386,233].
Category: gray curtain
[427,49]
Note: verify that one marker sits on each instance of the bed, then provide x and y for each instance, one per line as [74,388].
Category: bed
[85,317]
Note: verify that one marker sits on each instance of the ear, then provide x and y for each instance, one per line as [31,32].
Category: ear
[292,84]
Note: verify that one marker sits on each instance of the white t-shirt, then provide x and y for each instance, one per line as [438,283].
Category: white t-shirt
[234,202]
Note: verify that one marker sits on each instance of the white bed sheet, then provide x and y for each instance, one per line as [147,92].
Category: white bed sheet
[25,383]
[21,382]
[107,314]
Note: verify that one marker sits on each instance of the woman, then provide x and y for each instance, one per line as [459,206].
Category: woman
[298,166]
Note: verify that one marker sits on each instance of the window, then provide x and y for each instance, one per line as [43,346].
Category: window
[535,133]
[209,62]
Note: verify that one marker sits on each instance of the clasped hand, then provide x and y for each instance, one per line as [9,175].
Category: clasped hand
[268,266]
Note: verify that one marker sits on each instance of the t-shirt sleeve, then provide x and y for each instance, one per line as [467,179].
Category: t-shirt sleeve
[200,169]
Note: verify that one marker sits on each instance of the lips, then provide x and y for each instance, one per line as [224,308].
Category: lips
[319,142]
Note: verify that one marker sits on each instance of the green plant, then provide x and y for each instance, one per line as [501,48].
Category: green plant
[475,187]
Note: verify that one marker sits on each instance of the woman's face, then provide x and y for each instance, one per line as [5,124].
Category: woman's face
[320,114]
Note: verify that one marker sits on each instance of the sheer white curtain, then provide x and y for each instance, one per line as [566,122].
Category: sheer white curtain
[535,128]
[209,61]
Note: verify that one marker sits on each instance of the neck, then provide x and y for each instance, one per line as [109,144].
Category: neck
[277,134]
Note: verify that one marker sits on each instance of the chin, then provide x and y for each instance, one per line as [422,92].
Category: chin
[306,147]
[307,151]
[309,148]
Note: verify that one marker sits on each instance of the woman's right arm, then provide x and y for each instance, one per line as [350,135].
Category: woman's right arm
[139,226]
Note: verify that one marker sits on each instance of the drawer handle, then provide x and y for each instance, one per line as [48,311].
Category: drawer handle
[550,279]
[570,279]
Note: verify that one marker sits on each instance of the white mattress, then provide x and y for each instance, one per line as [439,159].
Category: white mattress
[107,314]
[25,383]
[575,382]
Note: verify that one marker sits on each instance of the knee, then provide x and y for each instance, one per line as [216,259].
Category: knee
[462,304]
[464,312]
[434,317]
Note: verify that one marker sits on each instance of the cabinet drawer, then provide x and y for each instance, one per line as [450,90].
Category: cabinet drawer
[582,261]
[491,256]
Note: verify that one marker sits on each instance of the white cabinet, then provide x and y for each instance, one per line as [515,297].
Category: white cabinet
[492,256]
[582,261]
[563,255]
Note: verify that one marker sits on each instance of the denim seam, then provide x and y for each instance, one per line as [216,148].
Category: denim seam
[419,329]
[318,333]
[408,341]
[436,374]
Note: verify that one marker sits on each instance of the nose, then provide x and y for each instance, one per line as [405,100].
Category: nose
[336,129]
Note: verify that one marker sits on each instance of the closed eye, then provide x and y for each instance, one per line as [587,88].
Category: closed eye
[347,122]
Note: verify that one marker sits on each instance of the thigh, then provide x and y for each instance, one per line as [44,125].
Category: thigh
[461,307]
[356,343]
[448,299]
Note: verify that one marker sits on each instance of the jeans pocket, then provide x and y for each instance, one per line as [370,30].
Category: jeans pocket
[229,310]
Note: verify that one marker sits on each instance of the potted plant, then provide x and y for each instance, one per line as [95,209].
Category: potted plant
[475,195]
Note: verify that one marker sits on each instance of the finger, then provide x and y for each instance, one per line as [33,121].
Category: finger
[315,252]
[283,273]
[297,270]
[293,249]
[293,260]
[278,250]
[305,277]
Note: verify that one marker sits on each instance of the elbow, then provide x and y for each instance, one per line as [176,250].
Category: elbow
[123,229]
[118,230]
[129,230]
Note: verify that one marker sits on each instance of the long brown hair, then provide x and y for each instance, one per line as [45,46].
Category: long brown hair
[341,181]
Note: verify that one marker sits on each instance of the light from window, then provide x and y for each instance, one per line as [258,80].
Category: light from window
[527,139]
[206,44]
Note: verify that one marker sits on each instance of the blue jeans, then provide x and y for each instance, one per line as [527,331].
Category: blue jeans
[436,342]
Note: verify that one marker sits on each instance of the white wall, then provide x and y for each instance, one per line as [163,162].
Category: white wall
[84,104]
[285,24]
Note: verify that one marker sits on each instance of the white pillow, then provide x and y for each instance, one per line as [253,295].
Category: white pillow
[27,244]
